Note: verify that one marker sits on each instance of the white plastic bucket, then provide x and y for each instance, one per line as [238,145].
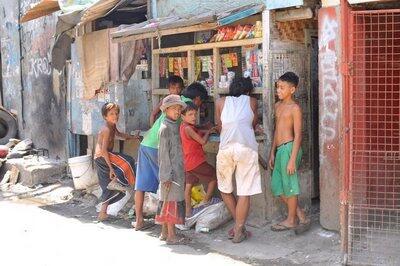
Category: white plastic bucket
[82,172]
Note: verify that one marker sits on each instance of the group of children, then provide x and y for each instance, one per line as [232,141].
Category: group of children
[171,159]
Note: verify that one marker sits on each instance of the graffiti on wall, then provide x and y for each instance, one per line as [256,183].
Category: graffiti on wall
[37,38]
[329,78]
[40,66]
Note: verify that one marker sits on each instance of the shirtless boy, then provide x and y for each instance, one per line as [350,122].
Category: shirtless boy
[286,153]
[112,166]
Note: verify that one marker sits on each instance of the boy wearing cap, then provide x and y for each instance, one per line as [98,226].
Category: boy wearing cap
[171,208]
[147,179]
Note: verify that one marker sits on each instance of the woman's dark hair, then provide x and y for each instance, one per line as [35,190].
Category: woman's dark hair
[241,86]
[190,106]
[291,78]
[107,107]
[196,89]
[174,79]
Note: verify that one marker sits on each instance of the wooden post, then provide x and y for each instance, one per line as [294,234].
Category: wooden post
[191,66]
[268,112]
[155,74]
[217,71]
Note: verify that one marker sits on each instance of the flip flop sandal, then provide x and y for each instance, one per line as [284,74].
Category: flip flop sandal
[146,225]
[180,241]
[280,227]
[302,227]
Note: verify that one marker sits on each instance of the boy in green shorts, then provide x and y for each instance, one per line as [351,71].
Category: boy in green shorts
[286,154]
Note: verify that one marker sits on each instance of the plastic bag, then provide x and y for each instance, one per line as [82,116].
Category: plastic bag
[150,204]
[197,194]
[113,209]
[208,218]
[213,217]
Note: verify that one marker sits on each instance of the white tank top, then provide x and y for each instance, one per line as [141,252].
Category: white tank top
[237,122]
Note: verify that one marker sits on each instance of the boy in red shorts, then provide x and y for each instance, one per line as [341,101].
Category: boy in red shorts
[196,167]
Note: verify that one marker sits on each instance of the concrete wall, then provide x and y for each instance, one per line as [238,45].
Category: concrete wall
[164,8]
[10,56]
[330,113]
[41,109]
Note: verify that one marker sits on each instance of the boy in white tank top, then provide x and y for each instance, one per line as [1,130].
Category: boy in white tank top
[236,118]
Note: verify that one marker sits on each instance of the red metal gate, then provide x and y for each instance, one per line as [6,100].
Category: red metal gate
[374,207]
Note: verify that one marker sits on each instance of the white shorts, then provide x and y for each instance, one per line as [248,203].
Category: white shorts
[243,161]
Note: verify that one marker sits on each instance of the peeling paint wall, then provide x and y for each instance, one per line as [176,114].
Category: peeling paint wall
[330,116]
[43,100]
[10,55]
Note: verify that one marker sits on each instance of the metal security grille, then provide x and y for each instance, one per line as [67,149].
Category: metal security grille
[374,209]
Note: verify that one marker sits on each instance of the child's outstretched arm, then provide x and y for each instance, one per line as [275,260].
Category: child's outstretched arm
[195,136]
[297,125]
[125,136]
[273,148]
[154,113]
[254,107]
[217,115]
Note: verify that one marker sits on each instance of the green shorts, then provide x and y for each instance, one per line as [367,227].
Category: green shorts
[282,183]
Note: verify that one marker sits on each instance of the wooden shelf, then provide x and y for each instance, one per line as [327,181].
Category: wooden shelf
[258,90]
[160,92]
[208,46]
[220,91]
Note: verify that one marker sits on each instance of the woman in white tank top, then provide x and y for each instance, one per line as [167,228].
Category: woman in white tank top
[236,118]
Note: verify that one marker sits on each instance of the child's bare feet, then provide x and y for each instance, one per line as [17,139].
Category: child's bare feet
[164,232]
[188,212]
[178,241]
[102,216]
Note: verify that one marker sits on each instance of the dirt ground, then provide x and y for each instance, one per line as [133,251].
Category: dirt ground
[315,247]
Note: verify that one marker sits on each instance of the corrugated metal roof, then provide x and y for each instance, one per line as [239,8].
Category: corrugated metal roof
[163,26]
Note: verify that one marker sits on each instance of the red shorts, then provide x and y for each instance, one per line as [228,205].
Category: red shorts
[204,173]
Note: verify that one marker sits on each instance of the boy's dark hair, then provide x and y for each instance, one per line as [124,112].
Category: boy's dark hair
[290,77]
[174,79]
[196,89]
[107,107]
[241,86]
[190,106]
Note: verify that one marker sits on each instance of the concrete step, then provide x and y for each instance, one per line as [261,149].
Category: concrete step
[36,170]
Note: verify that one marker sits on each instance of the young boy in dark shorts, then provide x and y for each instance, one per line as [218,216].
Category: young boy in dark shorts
[112,167]
[286,153]
[196,167]
[171,209]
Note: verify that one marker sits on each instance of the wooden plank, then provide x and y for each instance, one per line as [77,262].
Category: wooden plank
[155,75]
[327,3]
[216,70]
[195,28]
[160,92]
[208,46]
[257,90]
[191,66]
[293,14]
